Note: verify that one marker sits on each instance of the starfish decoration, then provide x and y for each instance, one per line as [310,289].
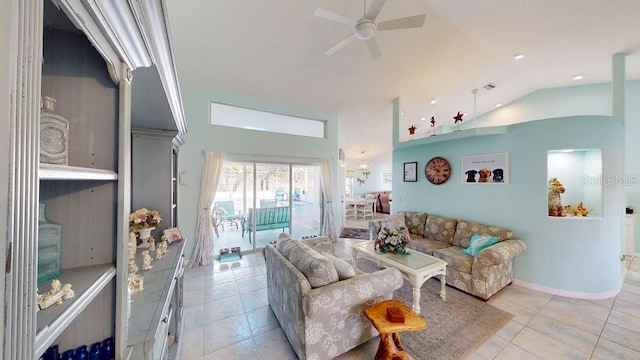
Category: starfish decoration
[433,122]
[457,118]
[412,130]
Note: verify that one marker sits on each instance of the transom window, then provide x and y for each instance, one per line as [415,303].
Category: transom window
[251,119]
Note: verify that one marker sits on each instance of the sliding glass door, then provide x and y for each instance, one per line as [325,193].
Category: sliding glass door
[255,202]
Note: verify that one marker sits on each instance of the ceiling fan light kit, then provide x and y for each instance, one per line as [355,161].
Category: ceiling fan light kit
[365,29]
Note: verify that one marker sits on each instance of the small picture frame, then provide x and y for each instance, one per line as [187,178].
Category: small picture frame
[387,178]
[410,172]
[173,235]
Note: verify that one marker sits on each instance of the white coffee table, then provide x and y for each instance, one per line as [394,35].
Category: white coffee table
[415,267]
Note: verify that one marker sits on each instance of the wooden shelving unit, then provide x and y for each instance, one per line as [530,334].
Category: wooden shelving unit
[83,54]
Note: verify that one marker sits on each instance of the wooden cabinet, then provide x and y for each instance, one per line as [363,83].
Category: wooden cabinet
[83,54]
[84,196]
[158,310]
[154,174]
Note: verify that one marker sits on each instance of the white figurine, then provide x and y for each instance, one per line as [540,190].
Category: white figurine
[135,283]
[133,244]
[147,260]
[152,243]
[55,287]
[159,252]
[67,291]
[54,296]
[133,268]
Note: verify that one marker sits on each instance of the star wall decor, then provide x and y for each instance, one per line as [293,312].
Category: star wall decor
[412,131]
[458,117]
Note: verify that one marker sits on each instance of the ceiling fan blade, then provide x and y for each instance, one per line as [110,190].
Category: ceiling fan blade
[374,49]
[374,9]
[334,17]
[342,43]
[402,23]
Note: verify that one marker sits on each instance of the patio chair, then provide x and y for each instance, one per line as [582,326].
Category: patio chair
[225,213]
[280,194]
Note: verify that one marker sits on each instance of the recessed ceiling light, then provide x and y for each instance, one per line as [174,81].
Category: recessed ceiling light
[433,101]
[498,104]
[423,118]
[578,77]
[401,113]
[518,56]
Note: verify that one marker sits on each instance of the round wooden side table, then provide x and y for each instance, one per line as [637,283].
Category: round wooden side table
[390,347]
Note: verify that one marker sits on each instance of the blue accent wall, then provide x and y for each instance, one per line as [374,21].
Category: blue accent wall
[575,255]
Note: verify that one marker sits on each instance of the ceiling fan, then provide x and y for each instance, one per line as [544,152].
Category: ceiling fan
[365,28]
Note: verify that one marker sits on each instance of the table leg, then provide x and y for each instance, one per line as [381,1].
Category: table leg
[390,348]
[416,299]
[443,286]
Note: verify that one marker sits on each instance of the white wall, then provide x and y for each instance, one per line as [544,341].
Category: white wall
[374,182]
[242,144]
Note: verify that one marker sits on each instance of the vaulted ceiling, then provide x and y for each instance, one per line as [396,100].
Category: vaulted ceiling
[273,49]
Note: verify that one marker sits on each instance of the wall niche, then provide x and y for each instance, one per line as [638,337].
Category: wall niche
[575,183]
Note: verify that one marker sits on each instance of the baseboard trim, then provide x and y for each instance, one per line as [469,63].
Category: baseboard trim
[573,294]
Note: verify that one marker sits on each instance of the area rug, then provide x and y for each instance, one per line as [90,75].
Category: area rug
[353,233]
[455,327]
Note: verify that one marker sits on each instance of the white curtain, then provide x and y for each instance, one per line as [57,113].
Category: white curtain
[203,250]
[329,223]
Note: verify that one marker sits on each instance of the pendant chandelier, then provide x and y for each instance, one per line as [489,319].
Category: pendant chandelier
[350,173]
[363,167]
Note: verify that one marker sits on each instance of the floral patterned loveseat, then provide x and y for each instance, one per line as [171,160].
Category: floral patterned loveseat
[321,315]
[446,238]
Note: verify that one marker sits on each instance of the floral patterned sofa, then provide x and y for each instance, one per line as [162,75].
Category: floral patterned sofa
[446,238]
[319,299]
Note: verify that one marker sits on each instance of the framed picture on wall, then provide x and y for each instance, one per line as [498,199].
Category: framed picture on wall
[485,169]
[410,172]
[387,178]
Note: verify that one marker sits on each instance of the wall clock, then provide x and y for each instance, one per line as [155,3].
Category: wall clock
[437,170]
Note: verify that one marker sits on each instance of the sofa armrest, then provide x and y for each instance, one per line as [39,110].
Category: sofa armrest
[320,244]
[501,252]
[374,228]
[344,294]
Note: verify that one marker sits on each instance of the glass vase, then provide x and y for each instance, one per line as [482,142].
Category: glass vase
[49,238]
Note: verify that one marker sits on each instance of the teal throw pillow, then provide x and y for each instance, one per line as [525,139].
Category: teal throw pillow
[479,242]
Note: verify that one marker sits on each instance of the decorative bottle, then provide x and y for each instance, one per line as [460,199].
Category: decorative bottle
[49,237]
[82,353]
[95,352]
[107,349]
[68,355]
[53,134]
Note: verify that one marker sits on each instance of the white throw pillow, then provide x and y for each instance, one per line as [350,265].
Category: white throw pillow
[344,269]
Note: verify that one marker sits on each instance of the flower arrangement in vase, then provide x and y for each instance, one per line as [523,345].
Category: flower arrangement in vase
[392,240]
[143,219]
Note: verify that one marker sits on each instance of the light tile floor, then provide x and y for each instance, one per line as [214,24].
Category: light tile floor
[228,317]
